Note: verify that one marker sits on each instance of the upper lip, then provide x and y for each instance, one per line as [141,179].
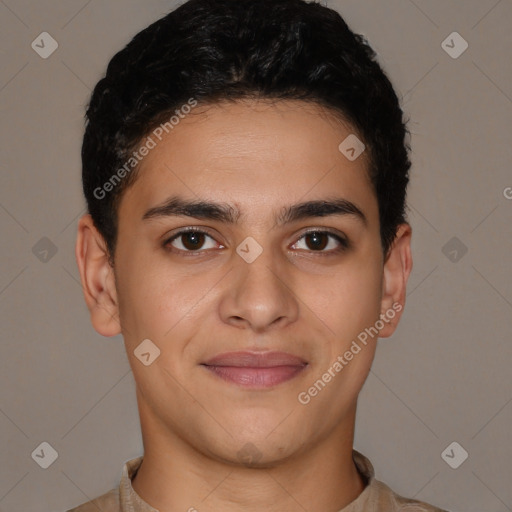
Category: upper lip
[255,359]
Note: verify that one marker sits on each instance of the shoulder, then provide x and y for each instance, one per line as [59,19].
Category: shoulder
[108,502]
[378,497]
[388,500]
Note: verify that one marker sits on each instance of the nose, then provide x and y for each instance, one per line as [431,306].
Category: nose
[259,295]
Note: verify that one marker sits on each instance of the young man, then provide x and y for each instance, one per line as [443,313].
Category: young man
[245,169]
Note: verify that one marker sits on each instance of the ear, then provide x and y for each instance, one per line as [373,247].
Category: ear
[97,277]
[397,268]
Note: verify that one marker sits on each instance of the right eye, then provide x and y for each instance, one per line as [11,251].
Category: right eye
[188,240]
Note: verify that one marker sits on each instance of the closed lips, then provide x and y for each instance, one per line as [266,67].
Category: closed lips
[256,371]
[255,360]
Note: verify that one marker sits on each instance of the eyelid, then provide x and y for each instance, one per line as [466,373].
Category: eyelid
[187,229]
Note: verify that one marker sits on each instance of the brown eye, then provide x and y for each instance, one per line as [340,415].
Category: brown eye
[192,241]
[318,241]
[189,241]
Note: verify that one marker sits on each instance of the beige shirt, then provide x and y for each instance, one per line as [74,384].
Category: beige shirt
[376,496]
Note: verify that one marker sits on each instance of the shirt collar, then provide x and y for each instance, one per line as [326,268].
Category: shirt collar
[130,501]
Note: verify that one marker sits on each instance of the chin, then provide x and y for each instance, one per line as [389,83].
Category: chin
[263,450]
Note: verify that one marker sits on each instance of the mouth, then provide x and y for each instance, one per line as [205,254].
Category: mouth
[256,370]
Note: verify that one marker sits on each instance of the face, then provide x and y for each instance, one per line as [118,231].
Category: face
[250,298]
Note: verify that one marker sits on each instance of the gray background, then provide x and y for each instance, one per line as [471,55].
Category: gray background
[445,374]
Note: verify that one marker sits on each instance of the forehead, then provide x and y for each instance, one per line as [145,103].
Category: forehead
[258,153]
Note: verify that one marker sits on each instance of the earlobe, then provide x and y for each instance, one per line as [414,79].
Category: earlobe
[97,277]
[397,269]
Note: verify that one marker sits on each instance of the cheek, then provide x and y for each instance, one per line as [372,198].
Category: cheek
[149,297]
[160,303]
[351,313]
[351,299]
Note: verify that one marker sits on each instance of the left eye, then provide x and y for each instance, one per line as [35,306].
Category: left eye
[317,241]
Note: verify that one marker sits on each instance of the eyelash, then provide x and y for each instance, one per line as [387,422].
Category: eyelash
[344,243]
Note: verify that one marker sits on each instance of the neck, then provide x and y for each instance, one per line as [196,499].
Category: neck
[176,477]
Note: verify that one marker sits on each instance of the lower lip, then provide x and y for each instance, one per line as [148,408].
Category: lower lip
[256,378]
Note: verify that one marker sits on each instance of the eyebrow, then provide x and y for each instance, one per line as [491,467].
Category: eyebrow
[224,212]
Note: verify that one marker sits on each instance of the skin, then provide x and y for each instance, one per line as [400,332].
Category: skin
[257,156]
